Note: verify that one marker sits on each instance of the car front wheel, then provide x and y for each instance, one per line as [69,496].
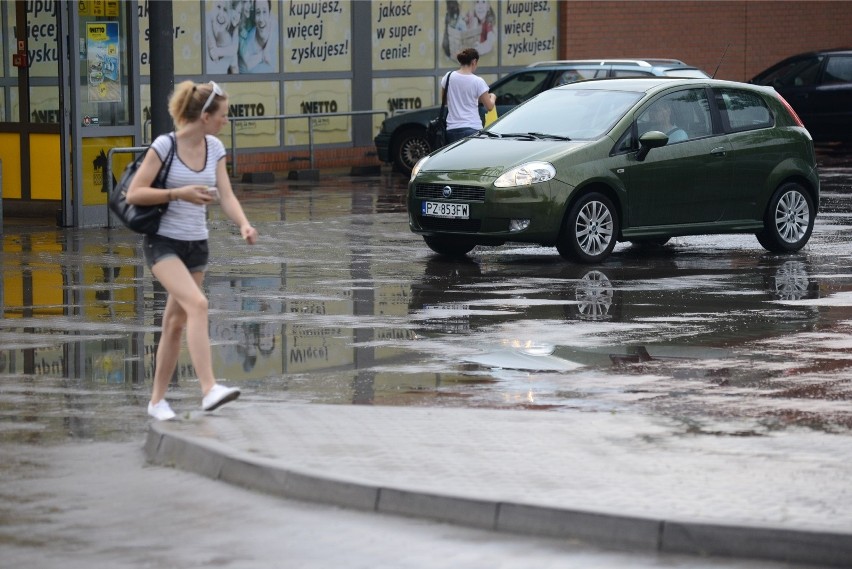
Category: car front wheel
[789,219]
[590,229]
[449,247]
[410,146]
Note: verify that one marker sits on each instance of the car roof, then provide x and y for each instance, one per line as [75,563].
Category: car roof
[641,62]
[645,84]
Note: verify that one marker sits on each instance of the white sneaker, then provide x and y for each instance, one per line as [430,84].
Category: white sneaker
[161,411]
[218,396]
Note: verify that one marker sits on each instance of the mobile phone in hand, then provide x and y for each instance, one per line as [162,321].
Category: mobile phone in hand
[213,192]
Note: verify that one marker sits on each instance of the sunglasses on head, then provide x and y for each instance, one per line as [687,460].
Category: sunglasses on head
[216,90]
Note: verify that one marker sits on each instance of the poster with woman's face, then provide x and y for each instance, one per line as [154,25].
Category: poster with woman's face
[241,36]
[469,23]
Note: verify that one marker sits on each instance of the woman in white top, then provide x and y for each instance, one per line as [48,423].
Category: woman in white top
[177,254]
[465,93]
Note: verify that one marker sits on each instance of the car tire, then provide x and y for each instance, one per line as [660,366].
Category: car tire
[409,146]
[590,229]
[789,219]
[449,247]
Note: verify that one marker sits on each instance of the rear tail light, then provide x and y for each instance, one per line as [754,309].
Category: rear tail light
[790,110]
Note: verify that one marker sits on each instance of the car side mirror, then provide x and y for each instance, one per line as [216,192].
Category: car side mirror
[649,140]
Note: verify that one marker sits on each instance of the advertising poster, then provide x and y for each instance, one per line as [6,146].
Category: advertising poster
[403,35]
[102,63]
[42,49]
[529,31]
[247,101]
[318,97]
[317,35]
[241,36]
[44,104]
[186,18]
[469,23]
[95,171]
[400,94]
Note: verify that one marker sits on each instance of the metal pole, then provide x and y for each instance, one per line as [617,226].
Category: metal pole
[162,65]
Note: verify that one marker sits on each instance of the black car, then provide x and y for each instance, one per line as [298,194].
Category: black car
[402,138]
[818,85]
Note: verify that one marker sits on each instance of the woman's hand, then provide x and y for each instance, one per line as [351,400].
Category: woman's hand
[194,194]
[249,233]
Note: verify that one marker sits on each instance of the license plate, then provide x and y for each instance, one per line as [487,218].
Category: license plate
[449,210]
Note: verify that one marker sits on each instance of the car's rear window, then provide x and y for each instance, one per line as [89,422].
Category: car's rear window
[577,114]
[838,69]
[743,110]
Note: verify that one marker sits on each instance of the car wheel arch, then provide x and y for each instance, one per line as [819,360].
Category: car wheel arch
[400,134]
[600,188]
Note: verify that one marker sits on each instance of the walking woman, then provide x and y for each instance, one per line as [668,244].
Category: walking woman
[177,254]
[466,91]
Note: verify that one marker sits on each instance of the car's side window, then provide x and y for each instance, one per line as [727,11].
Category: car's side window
[743,110]
[795,74]
[683,115]
[520,87]
[838,69]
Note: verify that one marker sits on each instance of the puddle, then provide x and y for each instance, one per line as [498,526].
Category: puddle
[340,303]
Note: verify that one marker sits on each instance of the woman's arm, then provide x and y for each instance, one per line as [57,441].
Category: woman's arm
[488,100]
[140,191]
[231,205]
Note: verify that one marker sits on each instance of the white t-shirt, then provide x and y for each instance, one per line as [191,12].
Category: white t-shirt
[183,220]
[463,100]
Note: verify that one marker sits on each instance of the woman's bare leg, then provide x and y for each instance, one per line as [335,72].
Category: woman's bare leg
[186,307]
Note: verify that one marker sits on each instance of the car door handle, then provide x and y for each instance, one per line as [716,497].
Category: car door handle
[719,151]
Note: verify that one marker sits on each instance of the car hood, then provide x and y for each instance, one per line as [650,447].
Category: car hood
[493,156]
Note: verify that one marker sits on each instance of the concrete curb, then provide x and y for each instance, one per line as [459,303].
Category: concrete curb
[166,446]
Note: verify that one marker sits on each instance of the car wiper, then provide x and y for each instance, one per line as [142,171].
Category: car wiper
[489,133]
[549,136]
[527,135]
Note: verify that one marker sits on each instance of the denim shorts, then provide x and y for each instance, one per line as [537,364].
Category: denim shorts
[455,134]
[194,254]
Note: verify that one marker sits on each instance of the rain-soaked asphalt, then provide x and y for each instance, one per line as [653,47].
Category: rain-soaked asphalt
[339,303]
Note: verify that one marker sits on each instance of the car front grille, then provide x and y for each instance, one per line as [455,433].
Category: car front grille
[441,224]
[460,193]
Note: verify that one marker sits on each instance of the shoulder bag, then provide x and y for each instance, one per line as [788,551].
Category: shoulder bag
[436,130]
[141,218]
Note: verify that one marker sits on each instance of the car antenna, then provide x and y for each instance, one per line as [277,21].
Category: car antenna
[721,60]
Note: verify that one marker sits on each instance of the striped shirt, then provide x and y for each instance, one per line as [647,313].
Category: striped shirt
[183,220]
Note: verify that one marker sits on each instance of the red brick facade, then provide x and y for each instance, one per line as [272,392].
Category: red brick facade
[759,33]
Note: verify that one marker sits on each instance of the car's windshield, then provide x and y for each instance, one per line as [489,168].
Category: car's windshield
[576,114]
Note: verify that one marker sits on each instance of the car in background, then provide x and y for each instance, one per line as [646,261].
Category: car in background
[818,85]
[585,165]
[402,137]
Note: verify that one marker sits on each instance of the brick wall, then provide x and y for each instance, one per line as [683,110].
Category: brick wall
[759,33]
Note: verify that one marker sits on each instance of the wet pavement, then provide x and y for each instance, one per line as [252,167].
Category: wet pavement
[709,361]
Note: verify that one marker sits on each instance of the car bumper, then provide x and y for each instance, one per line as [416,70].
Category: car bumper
[491,213]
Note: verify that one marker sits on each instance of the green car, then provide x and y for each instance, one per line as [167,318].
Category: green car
[583,166]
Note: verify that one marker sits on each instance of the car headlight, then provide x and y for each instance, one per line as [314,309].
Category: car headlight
[416,169]
[526,174]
